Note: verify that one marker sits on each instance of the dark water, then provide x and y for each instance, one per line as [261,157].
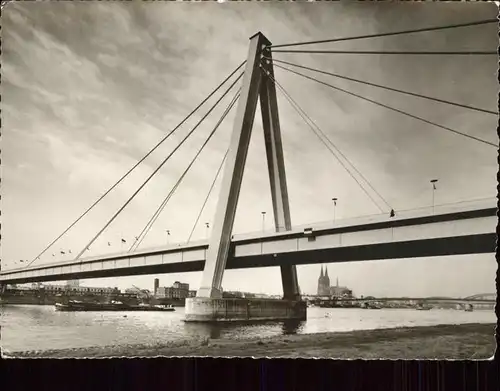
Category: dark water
[26,327]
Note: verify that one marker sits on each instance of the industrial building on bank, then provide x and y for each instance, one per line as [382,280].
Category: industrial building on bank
[178,290]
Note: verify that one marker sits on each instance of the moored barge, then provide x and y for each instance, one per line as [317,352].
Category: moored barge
[74,305]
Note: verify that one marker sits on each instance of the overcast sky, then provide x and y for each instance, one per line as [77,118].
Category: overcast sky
[88,88]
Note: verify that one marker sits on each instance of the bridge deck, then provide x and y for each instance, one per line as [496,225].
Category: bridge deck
[458,232]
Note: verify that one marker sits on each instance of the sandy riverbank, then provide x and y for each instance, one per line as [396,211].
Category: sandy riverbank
[468,341]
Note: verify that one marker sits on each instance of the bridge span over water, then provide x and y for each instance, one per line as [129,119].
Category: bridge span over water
[419,234]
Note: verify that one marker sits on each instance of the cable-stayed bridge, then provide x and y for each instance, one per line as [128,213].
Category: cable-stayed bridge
[462,228]
[466,231]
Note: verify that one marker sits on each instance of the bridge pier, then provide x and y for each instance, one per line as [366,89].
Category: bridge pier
[209,305]
[276,169]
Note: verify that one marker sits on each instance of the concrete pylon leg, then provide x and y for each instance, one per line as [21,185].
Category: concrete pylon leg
[208,305]
[276,168]
[220,240]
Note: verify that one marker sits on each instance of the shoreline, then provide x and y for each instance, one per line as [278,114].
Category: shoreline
[464,341]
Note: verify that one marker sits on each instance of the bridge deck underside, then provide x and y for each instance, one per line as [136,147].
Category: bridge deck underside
[362,243]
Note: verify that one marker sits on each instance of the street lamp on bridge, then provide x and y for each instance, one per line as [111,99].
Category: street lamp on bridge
[207,227]
[168,236]
[433,182]
[263,221]
[334,207]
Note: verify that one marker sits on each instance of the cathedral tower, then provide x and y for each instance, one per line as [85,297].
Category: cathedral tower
[323,283]
[320,283]
[327,282]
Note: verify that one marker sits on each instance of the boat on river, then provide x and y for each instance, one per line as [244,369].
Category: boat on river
[469,308]
[371,306]
[74,305]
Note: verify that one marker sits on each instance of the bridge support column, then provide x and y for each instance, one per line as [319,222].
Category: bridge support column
[209,304]
[276,168]
[222,227]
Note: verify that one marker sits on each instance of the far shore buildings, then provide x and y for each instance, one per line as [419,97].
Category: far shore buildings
[324,288]
[73,283]
[65,289]
[78,289]
[178,290]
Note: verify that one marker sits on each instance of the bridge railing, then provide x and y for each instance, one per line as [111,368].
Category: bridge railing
[481,203]
[104,256]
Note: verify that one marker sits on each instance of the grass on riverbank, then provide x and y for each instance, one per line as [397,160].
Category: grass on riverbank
[468,341]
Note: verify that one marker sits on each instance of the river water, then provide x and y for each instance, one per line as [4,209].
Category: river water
[26,327]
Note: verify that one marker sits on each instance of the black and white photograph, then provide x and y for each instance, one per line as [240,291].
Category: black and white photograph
[249,179]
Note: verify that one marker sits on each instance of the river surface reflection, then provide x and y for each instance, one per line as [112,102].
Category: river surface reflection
[26,327]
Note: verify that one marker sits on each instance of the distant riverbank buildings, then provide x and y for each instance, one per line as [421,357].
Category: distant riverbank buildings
[71,287]
[178,290]
[54,289]
[324,288]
